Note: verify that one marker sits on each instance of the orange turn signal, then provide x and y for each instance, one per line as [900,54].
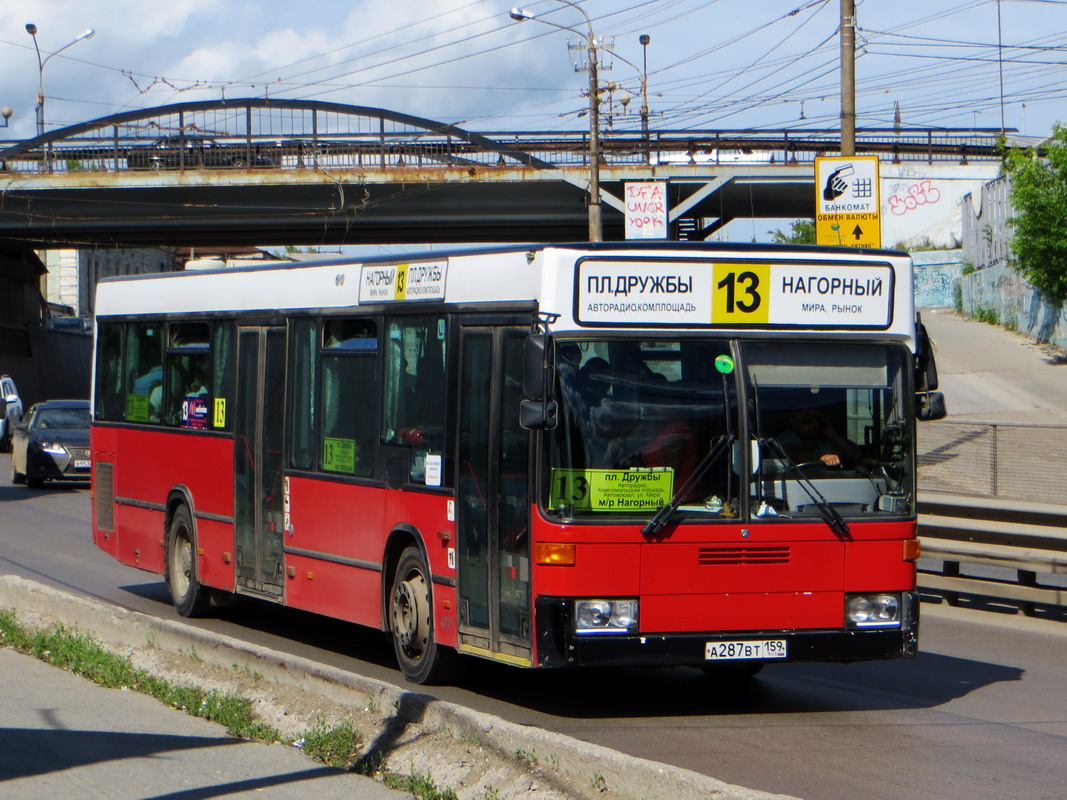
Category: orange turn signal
[912,549]
[555,555]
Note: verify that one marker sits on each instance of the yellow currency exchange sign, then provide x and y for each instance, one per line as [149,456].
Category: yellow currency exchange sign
[847,202]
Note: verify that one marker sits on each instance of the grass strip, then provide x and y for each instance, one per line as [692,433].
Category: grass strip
[336,746]
[83,656]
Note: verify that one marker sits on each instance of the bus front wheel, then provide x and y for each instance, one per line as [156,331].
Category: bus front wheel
[189,597]
[421,658]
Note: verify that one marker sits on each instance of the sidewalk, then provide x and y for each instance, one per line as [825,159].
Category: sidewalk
[989,374]
[63,736]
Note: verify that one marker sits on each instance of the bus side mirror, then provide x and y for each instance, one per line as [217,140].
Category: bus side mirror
[538,415]
[534,367]
[930,406]
[537,412]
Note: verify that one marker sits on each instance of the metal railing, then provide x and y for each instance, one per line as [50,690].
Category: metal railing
[261,133]
[994,553]
[993,514]
[1022,461]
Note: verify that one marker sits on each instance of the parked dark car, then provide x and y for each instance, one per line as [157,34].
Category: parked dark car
[178,152]
[10,410]
[52,443]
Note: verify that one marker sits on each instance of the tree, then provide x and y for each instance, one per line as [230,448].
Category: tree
[802,231]
[1039,197]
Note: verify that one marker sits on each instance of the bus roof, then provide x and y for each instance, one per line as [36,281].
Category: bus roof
[604,285]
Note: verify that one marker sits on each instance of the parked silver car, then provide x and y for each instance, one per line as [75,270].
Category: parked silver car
[10,410]
[52,444]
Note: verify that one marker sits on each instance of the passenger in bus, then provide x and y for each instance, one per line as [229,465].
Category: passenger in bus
[197,381]
[812,438]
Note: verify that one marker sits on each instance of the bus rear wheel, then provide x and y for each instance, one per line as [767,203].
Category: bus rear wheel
[421,658]
[189,597]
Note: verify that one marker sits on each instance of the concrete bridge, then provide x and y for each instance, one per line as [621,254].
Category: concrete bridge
[310,172]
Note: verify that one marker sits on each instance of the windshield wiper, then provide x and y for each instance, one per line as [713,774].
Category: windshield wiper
[655,525]
[829,514]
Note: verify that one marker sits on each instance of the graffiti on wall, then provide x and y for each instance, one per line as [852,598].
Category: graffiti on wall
[1016,303]
[919,194]
[933,284]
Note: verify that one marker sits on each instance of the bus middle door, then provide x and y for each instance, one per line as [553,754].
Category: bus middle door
[258,490]
[493,507]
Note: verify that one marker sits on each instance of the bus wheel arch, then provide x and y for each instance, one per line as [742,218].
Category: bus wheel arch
[408,613]
[190,598]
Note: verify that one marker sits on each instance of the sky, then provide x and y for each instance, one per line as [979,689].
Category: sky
[709,64]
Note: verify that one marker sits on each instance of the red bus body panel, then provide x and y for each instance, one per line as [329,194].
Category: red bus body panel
[149,466]
[727,577]
[694,578]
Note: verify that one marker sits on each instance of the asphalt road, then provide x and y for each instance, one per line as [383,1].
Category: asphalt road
[982,713]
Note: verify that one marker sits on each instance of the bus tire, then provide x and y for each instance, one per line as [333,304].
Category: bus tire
[189,597]
[421,658]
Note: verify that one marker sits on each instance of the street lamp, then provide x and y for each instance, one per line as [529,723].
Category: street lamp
[519,15]
[31,29]
[644,39]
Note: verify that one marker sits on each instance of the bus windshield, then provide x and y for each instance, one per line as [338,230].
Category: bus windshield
[636,420]
[826,424]
[831,425]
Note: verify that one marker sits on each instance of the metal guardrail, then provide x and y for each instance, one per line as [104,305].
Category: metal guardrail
[982,551]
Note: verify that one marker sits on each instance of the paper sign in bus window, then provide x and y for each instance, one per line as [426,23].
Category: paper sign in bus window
[137,407]
[339,455]
[219,419]
[194,412]
[611,489]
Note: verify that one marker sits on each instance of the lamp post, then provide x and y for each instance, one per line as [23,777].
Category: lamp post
[644,39]
[31,29]
[595,226]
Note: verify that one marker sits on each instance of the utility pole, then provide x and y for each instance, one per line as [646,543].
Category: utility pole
[848,77]
[595,225]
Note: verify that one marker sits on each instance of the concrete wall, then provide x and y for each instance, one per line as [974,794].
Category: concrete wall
[58,367]
[994,285]
[1003,290]
[921,202]
[936,273]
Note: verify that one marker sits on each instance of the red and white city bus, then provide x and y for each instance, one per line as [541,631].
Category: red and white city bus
[611,454]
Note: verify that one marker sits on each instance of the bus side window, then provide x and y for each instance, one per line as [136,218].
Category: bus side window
[109,400]
[223,372]
[188,389]
[349,377]
[144,371]
[414,412]
[303,350]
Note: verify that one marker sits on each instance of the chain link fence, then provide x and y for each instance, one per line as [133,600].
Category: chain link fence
[1012,460]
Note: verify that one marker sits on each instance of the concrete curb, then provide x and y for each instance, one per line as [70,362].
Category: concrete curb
[641,777]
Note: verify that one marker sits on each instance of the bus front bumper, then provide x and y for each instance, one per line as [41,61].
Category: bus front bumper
[559,646]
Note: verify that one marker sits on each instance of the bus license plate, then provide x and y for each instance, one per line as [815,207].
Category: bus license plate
[81,463]
[733,651]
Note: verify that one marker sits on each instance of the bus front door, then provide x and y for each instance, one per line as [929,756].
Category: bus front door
[258,478]
[493,506]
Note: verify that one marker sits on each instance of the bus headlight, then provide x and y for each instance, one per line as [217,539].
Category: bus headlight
[876,610]
[605,616]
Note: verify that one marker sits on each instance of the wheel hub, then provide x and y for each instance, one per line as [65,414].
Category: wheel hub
[410,621]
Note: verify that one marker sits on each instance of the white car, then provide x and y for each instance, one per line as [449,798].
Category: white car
[10,410]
